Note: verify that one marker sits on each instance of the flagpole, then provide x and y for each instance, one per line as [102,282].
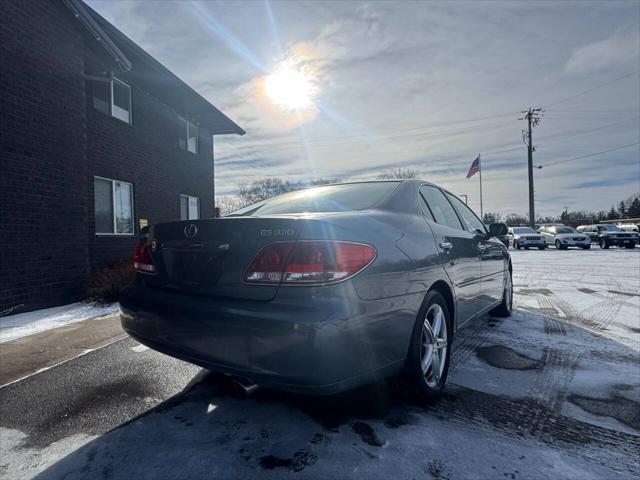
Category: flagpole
[480,165]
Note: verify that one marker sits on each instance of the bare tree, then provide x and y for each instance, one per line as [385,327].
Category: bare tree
[515,220]
[490,218]
[323,181]
[264,188]
[229,203]
[398,174]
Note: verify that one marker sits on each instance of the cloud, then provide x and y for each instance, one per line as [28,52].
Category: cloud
[395,80]
[621,48]
[609,182]
[316,57]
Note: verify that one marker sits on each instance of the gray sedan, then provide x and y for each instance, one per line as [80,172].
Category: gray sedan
[321,290]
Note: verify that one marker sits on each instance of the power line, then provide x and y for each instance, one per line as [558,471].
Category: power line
[590,155]
[584,131]
[558,102]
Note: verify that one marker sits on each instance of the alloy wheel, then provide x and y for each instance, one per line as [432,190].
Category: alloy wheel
[433,345]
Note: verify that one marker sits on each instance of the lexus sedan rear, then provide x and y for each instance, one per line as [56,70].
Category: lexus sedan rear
[321,290]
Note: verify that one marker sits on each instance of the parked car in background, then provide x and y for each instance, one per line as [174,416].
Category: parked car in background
[525,237]
[539,226]
[294,292]
[565,237]
[630,227]
[607,235]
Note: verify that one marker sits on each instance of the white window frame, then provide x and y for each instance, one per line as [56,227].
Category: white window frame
[187,123]
[115,79]
[110,80]
[113,206]
[189,197]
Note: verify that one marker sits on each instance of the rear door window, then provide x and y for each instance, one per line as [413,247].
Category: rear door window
[441,210]
[473,223]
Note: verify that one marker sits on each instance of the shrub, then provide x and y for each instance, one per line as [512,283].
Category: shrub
[106,283]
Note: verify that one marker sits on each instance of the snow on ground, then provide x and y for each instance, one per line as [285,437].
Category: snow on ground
[599,290]
[551,392]
[23,324]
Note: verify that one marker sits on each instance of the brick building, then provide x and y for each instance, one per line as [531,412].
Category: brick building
[96,139]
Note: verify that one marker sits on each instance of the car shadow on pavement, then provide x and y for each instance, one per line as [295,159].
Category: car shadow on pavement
[209,431]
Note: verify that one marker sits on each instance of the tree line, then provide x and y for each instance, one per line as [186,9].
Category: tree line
[628,208]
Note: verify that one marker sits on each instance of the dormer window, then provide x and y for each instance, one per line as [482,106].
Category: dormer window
[188,138]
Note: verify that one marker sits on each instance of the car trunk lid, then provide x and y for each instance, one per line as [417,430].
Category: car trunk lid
[209,257]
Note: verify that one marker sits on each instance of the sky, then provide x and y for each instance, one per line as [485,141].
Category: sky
[420,85]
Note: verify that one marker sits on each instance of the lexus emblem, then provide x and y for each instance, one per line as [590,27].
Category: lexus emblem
[191,230]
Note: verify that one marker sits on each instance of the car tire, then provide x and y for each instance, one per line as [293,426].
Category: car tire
[428,386]
[504,309]
[558,245]
[603,243]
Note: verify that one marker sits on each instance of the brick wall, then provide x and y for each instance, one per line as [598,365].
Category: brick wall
[43,210]
[52,144]
[146,154]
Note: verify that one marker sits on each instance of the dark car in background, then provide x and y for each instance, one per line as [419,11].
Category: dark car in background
[607,235]
[323,289]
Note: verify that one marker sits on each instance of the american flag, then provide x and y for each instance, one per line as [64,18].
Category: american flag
[475,167]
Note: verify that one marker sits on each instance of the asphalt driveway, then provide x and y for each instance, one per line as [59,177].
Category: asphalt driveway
[553,392]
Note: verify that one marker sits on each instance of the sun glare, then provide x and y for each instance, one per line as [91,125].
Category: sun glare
[290,88]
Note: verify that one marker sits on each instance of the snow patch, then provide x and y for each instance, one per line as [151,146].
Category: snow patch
[24,324]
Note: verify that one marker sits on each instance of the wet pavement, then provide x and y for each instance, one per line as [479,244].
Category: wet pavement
[551,392]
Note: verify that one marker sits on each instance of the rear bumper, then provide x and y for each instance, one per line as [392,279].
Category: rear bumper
[323,343]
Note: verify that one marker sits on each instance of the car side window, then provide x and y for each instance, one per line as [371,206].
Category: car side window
[425,208]
[442,211]
[473,223]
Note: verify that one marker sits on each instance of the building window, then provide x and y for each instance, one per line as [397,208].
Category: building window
[189,207]
[113,202]
[188,138]
[112,97]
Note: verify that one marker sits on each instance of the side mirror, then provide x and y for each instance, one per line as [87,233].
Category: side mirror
[498,229]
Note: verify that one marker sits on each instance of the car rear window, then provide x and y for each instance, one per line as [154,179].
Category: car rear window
[565,230]
[329,198]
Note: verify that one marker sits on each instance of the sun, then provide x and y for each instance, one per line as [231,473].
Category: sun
[290,88]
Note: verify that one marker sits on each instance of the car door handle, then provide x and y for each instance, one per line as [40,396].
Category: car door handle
[446,246]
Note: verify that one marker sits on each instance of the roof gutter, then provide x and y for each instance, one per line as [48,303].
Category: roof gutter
[80,12]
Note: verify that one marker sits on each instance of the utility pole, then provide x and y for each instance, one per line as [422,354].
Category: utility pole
[532,116]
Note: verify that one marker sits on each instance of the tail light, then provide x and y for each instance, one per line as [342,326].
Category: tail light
[309,262]
[142,260]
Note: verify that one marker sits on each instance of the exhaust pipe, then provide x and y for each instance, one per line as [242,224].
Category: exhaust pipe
[245,386]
